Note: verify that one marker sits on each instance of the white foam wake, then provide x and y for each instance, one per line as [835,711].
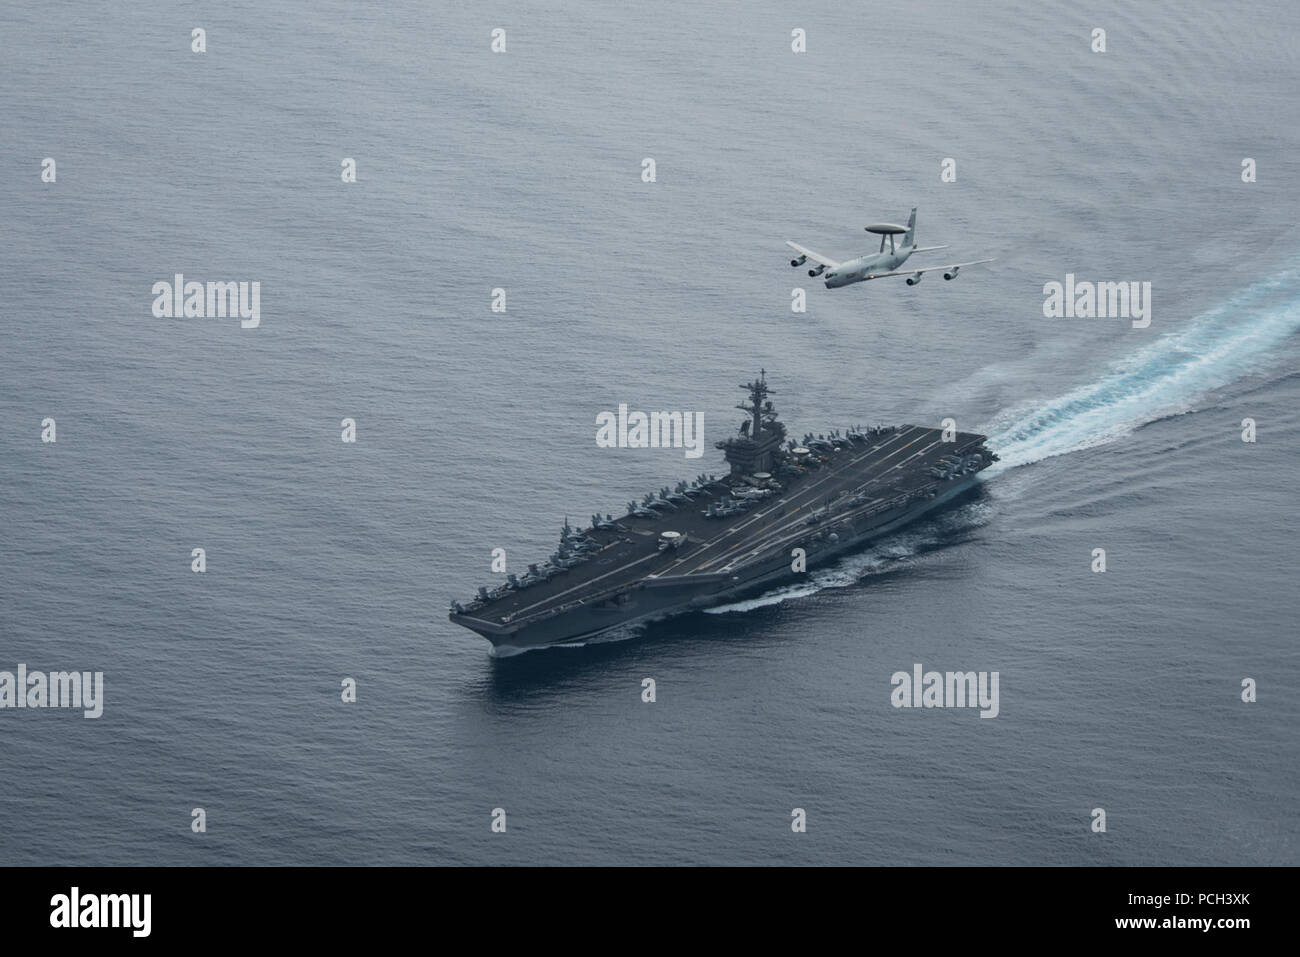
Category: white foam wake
[1160,379]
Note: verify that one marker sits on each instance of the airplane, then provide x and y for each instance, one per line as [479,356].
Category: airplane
[690,491]
[677,495]
[881,264]
[571,537]
[724,509]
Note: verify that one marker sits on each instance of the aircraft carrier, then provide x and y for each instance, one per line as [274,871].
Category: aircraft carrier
[785,507]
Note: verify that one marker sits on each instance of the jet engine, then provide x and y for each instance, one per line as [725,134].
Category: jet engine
[796,263]
[914,279]
[816,272]
[951,273]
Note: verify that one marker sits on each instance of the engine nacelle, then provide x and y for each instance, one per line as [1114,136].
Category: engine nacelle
[914,279]
[951,273]
[796,263]
[816,272]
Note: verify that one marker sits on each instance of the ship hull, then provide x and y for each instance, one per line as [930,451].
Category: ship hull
[658,600]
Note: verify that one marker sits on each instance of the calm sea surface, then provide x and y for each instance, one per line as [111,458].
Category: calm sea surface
[522,171]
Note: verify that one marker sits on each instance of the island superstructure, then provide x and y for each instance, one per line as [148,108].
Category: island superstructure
[784,508]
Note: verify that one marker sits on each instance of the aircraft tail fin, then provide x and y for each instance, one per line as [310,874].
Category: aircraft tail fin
[909,237]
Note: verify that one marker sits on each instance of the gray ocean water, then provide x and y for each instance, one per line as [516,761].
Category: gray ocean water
[522,170]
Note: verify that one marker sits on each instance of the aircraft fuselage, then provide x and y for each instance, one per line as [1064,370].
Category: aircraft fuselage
[864,267]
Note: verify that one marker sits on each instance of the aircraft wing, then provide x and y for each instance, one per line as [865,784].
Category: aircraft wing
[913,272]
[927,249]
[815,257]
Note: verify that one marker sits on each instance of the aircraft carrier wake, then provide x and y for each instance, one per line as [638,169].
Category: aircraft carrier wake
[785,508]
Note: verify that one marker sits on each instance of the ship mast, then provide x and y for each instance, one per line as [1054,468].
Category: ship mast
[758,393]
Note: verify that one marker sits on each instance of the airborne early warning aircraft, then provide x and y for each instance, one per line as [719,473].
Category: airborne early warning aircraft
[881,264]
